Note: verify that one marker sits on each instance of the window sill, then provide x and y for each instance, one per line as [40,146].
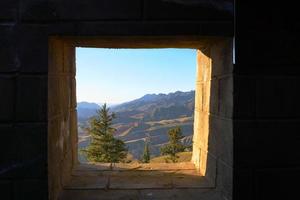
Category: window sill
[136,176]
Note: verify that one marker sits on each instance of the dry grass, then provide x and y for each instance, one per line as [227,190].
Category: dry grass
[183,157]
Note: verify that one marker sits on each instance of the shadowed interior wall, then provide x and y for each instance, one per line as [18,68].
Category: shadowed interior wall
[266,101]
[266,81]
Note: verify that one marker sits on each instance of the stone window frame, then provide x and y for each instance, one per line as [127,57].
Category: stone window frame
[214,61]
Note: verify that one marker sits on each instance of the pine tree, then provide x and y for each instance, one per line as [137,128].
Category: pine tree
[104,147]
[174,146]
[146,154]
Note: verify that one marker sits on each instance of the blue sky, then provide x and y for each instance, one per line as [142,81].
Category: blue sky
[120,75]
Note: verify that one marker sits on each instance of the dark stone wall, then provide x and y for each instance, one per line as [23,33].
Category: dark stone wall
[266,99]
[25,28]
[266,81]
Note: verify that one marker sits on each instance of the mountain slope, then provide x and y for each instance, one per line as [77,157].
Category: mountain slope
[86,110]
[150,117]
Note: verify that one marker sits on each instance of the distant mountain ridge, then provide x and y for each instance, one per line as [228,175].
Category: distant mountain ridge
[86,110]
[165,100]
[89,105]
[148,117]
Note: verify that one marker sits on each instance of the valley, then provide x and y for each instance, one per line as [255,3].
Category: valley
[145,119]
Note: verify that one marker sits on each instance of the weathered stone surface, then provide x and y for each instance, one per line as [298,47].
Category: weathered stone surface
[10,160]
[99,194]
[226,97]
[31,103]
[7,87]
[42,10]
[154,28]
[147,194]
[196,10]
[6,189]
[268,179]
[34,189]
[8,9]
[139,181]
[245,178]
[87,182]
[244,97]
[35,58]
[225,178]
[278,53]
[189,180]
[33,149]
[10,61]
[146,177]
[180,194]
[276,97]
[221,54]
[215,101]
[208,166]
[273,134]
[220,139]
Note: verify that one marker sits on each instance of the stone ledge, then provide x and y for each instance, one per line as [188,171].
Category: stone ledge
[129,176]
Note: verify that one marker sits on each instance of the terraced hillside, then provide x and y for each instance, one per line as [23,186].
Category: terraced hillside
[149,118]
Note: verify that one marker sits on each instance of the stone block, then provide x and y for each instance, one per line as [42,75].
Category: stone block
[244,96]
[56,57]
[10,61]
[69,59]
[226,97]
[268,70]
[214,97]
[6,190]
[285,180]
[7,91]
[31,103]
[10,160]
[33,149]
[266,143]
[201,134]
[276,97]
[35,58]
[198,97]
[53,10]
[55,141]
[269,52]
[206,97]
[153,28]
[220,139]
[208,167]
[54,104]
[34,189]
[8,9]
[74,136]
[225,178]
[100,194]
[73,94]
[221,56]
[243,184]
[64,94]
[88,182]
[183,10]
[67,166]
[140,181]
[176,194]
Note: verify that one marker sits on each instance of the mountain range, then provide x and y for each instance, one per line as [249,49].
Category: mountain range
[146,118]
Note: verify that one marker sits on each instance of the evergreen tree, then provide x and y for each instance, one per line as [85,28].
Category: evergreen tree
[174,146]
[104,147]
[146,154]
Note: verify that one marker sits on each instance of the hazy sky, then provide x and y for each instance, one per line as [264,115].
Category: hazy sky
[120,75]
